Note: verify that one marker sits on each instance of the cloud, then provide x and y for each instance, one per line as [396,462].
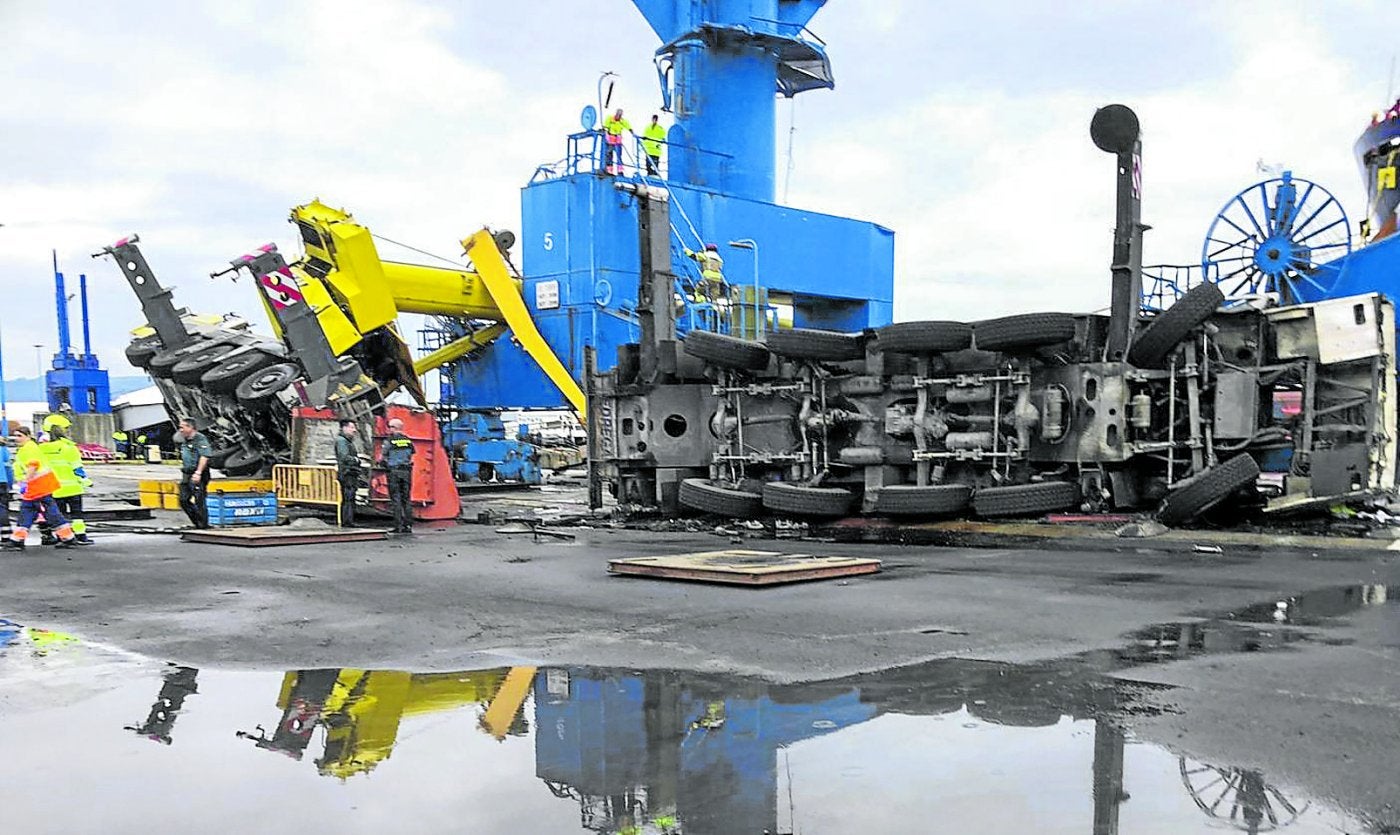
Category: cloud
[964,128]
[1001,204]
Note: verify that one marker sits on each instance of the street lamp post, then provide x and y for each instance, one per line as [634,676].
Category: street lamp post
[752,245]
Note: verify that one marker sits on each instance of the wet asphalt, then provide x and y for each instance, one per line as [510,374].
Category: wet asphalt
[1297,676]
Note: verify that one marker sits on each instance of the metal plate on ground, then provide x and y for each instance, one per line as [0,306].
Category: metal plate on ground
[744,568]
[288,535]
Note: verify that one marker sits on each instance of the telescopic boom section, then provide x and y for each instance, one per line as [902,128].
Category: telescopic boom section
[358,296]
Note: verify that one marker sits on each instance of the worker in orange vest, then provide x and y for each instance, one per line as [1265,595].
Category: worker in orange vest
[36,482]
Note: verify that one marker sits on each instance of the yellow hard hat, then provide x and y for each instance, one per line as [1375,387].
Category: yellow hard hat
[56,420]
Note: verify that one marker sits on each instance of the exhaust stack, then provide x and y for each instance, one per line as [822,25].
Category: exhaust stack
[1115,130]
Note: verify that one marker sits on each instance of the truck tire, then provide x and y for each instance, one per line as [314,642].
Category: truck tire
[190,370]
[1156,342]
[258,388]
[220,455]
[801,500]
[225,377]
[924,337]
[243,463]
[1207,490]
[1024,330]
[727,351]
[831,346]
[140,351]
[699,494]
[163,362]
[934,500]
[1025,499]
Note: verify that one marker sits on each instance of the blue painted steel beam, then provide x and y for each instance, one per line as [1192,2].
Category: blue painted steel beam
[723,62]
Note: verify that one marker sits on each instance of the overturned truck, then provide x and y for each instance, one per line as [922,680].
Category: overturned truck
[1286,407]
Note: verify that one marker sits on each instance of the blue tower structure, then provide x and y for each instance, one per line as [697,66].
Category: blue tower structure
[79,381]
[721,65]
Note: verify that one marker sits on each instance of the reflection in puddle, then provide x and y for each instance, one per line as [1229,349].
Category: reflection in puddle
[947,746]
[179,683]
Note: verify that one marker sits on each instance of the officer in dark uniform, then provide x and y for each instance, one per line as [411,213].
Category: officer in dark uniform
[396,454]
[347,471]
[195,452]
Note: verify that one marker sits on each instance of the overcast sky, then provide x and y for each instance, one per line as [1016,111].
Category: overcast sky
[961,125]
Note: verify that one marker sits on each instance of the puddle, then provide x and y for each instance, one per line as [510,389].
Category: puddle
[950,746]
[1317,608]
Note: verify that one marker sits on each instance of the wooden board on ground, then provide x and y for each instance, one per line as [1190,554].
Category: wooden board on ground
[741,567]
[282,535]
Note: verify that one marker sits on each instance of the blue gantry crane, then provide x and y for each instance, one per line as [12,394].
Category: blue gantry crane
[75,380]
[721,65]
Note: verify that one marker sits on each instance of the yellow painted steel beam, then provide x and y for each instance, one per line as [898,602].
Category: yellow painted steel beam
[505,292]
[457,348]
[440,291]
[375,291]
[509,699]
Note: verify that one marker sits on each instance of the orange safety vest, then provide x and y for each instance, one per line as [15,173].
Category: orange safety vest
[39,479]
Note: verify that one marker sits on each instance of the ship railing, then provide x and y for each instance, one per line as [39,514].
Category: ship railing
[1163,284]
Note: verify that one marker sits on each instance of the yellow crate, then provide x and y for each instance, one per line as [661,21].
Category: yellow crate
[170,501]
[171,487]
[149,499]
[240,485]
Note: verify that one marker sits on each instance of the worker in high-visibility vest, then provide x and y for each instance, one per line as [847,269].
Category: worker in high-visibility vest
[121,443]
[138,452]
[35,482]
[712,286]
[66,460]
[653,138]
[612,135]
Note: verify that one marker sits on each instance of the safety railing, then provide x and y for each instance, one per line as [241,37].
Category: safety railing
[1163,284]
[586,153]
[307,484]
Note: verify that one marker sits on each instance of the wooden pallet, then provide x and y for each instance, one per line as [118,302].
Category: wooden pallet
[281,535]
[744,568]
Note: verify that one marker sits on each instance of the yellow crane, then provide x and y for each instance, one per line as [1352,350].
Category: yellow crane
[357,298]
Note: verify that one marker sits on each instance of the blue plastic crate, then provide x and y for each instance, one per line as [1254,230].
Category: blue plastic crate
[225,509]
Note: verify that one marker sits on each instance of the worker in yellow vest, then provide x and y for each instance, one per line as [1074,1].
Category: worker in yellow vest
[35,482]
[121,444]
[612,135]
[66,460]
[712,286]
[653,138]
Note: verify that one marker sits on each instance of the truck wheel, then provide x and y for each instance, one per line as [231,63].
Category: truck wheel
[727,351]
[189,370]
[242,463]
[1156,342]
[1025,499]
[934,500]
[256,390]
[800,500]
[220,455]
[802,343]
[924,337]
[1208,489]
[164,361]
[225,377]
[699,494]
[140,351]
[1025,330]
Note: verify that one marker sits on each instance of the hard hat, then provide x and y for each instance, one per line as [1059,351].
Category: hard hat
[56,420]
[712,247]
